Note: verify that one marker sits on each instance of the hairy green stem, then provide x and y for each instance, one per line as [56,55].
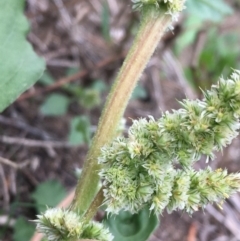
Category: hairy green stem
[96,203]
[151,29]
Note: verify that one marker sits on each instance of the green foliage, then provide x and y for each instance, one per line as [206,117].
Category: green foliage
[208,10]
[20,67]
[55,105]
[80,131]
[215,58]
[23,230]
[199,11]
[48,193]
[131,227]
[88,97]
[217,55]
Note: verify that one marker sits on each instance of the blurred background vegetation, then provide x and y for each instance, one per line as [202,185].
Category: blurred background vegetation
[47,131]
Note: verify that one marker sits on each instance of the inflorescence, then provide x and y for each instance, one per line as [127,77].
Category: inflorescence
[64,225]
[139,170]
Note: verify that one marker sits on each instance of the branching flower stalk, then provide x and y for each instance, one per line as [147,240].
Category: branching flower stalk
[157,16]
[139,170]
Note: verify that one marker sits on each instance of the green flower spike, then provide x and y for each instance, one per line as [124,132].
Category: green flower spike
[207,186]
[139,170]
[59,224]
[63,225]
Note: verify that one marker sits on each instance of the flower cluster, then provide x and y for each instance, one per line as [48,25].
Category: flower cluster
[96,231]
[172,7]
[139,170]
[58,224]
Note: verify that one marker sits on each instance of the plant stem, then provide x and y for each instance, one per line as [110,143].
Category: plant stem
[151,29]
[96,203]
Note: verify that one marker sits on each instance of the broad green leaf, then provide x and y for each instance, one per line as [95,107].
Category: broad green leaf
[20,67]
[132,227]
[48,193]
[23,229]
[55,105]
[209,10]
[79,131]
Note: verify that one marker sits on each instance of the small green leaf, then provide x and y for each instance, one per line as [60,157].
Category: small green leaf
[23,230]
[79,131]
[55,105]
[20,67]
[48,193]
[132,227]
